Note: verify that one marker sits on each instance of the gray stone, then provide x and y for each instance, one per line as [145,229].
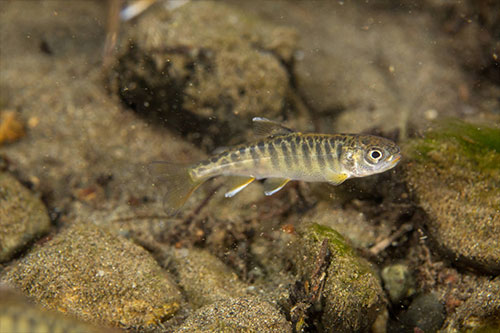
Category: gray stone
[425,312]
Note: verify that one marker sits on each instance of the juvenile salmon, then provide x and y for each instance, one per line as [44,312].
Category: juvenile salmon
[284,155]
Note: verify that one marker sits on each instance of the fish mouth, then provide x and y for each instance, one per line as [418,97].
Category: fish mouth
[395,159]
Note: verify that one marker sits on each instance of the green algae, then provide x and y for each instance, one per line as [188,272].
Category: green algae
[462,143]
[351,288]
[338,243]
[465,151]
[320,232]
[453,172]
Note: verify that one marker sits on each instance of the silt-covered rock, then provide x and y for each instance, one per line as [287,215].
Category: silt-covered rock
[244,314]
[22,216]
[96,276]
[204,278]
[205,78]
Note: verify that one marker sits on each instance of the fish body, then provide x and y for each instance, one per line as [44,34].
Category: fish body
[296,156]
[284,155]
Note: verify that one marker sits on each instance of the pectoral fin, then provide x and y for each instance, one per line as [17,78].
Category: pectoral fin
[273,185]
[237,184]
[337,178]
[266,128]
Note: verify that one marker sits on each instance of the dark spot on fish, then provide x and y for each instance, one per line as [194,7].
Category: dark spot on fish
[255,155]
[286,154]
[262,146]
[234,156]
[278,141]
[214,159]
[328,151]
[319,155]
[205,162]
[32,323]
[310,142]
[242,150]
[306,154]
[339,149]
[293,148]
[274,154]
[326,146]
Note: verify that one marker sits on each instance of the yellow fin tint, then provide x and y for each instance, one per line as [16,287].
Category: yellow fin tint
[273,185]
[337,178]
[236,184]
[265,127]
[176,180]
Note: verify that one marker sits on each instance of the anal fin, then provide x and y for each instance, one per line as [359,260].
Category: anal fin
[236,184]
[273,185]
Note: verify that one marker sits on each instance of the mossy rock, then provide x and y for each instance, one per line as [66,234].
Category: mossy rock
[352,294]
[454,173]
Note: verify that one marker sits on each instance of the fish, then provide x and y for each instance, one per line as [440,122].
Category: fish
[281,156]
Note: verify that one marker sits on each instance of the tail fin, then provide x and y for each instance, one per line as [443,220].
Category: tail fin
[177,182]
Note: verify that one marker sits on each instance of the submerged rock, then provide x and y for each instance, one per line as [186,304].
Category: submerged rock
[204,278]
[425,314]
[244,314]
[352,294]
[480,312]
[351,224]
[17,314]
[11,127]
[454,174]
[96,276]
[398,281]
[208,80]
[23,216]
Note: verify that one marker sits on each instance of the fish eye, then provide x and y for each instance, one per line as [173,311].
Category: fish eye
[375,155]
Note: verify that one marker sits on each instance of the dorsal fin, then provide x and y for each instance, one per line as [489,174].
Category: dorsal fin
[267,128]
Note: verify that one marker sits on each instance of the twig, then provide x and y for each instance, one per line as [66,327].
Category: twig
[385,243]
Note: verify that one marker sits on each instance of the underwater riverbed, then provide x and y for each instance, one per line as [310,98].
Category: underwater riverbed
[89,100]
